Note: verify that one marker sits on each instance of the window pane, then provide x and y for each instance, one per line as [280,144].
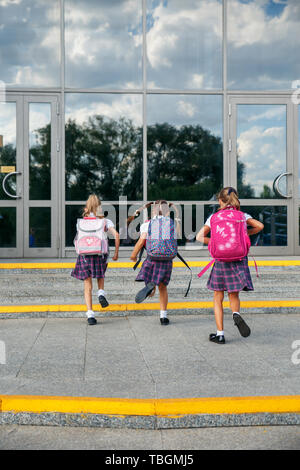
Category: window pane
[40,151]
[184,44]
[192,218]
[30,42]
[275,225]
[8,153]
[103,43]
[104,146]
[39,227]
[8,227]
[185,153]
[263,42]
[261,150]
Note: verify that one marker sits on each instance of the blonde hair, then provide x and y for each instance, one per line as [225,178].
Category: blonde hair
[93,204]
[229,197]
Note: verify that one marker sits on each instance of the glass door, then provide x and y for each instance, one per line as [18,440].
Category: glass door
[29,151]
[262,167]
[11,177]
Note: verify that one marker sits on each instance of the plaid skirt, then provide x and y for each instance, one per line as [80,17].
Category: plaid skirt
[231,276]
[90,266]
[155,271]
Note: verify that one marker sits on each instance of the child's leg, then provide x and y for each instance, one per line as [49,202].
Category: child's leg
[88,286]
[238,320]
[163,298]
[218,309]
[101,293]
[234,301]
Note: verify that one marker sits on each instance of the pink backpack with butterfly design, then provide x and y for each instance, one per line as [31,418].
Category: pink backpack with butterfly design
[229,239]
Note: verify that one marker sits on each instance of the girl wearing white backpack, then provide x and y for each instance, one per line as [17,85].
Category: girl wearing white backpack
[90,266]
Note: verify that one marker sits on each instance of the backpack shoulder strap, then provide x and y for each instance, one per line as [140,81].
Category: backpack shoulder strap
[206,267]
[191,275]
[139,258]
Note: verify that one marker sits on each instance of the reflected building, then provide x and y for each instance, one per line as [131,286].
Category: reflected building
[147,99]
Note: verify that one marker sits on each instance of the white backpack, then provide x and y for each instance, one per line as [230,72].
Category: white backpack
[91,238]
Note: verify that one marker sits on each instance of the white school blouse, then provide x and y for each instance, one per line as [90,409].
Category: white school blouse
[145,226]
[209,218]
[109,223]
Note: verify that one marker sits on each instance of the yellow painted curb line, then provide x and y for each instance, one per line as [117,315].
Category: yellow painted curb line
[146,306]
[176,264]
[150,407]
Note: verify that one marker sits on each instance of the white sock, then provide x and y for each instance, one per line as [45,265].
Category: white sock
[163,314]
[101,292]
[236,313]
[220,333]
[90,314]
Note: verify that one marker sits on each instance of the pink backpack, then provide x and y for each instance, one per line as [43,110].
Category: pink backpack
[229,239]
[91,238]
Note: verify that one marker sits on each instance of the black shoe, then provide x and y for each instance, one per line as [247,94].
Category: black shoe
[102,301]
[92,321]
[164,321]
[144,293]
[217,339]
[242,325]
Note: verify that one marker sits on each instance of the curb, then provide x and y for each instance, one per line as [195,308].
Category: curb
[124,265]
[150,414]
[179,308]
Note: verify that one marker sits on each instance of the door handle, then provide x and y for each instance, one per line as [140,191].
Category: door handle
[14,196]
[276,186]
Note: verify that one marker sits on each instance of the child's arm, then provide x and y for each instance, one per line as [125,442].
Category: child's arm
[116,236]
[138,246]
[202,235]
[256,226]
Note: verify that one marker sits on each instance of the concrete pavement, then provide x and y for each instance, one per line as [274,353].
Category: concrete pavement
[248,438]
[137,358]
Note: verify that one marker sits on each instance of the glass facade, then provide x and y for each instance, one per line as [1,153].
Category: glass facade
[148,101]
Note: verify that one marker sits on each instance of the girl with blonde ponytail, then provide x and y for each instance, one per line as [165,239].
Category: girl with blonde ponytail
[94,266]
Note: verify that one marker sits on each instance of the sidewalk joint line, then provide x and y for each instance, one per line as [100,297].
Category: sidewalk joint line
[32,346]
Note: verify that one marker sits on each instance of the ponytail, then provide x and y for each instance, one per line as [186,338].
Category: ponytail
[229,197]
[93,204]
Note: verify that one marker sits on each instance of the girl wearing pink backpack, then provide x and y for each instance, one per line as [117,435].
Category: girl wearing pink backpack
[229,245]
[92,258]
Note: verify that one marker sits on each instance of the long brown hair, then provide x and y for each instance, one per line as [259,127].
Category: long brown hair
[93,204]
[229,197]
